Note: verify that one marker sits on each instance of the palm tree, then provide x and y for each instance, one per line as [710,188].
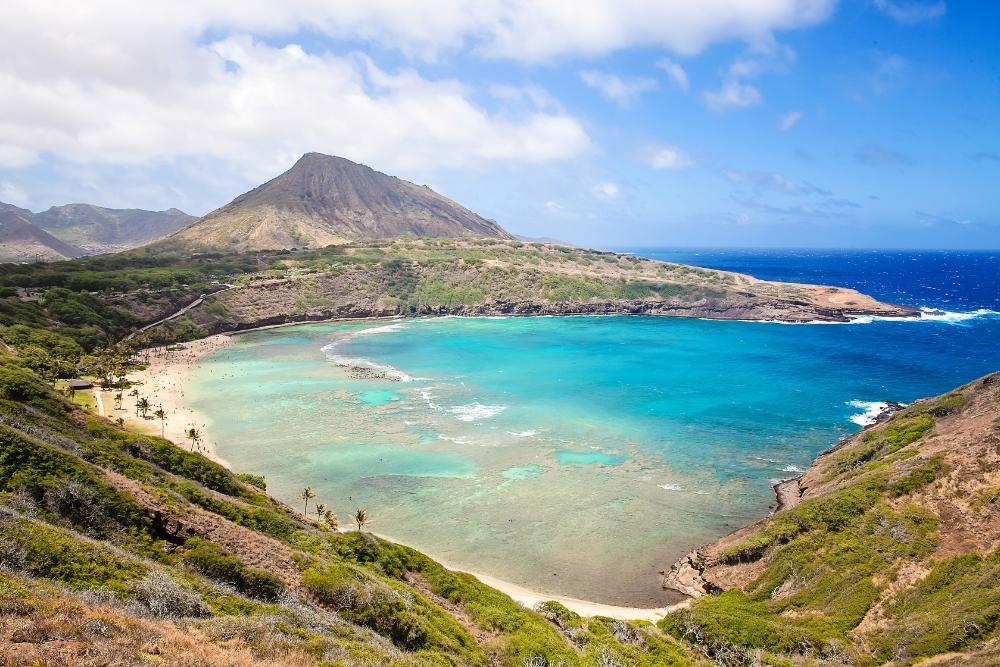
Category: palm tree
[194,435]
[118,400]
[361,518]
[307,495]
[162,416]
[142,405]
[330,519]
[135,392]
[319,509]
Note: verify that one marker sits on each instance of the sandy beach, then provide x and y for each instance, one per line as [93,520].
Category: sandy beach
[163,382]
[530,598]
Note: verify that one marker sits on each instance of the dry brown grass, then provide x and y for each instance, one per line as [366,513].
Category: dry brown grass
[66,631]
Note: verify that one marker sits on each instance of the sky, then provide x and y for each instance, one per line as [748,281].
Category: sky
[609,123]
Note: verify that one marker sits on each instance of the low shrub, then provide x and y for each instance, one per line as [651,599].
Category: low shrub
[390,609]
[268,520]
[955,606]
[919,477]
[44,551]
[67,486]
[208,559]
[161,596]
[171,458]
[254,480]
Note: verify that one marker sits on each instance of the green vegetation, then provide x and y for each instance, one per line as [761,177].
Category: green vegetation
[827,573]
[266,519]
[45,551]
[390,609]
[903,430]
[254,480]
[826,562]
[99,522]
[919,477]
[956,605]
[211,561]
[136,522]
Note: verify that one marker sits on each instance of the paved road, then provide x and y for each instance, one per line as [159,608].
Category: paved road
[194,304]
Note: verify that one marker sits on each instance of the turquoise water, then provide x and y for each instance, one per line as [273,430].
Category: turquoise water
[575,455]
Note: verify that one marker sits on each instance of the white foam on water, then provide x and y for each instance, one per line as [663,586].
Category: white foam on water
[387,328]
[346,361]
[523,434]
[360,362]
[671,487]
[950,317]
[427,394]
[791,468]
[476,411]
[457,440]
[926,315]
[870,410]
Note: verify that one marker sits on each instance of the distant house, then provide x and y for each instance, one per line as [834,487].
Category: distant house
[79,384]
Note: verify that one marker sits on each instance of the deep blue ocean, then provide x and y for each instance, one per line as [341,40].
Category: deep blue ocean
[957,280]
[580,455]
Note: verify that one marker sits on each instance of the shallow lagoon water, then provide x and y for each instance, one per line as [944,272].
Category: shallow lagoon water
[575,455]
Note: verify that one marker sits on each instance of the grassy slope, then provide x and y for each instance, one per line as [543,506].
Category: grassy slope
[114,544]
[891,555]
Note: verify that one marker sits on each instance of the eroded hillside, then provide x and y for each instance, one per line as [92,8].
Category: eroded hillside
[885,550]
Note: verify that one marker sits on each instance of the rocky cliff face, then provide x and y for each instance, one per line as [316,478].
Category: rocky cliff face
[324,200]
[495,277]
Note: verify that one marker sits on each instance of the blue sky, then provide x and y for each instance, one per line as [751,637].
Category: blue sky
[873,123]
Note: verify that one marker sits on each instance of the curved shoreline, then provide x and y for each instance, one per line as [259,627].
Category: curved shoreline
[162,382]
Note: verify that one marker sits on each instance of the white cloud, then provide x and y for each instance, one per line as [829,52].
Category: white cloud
[732,94]
[248,102]
[11,194]
[623,92]
[669,157]
[606,191]
[543,29]
[221,82]
[523,30]
[911,11]
[678,77]
[735,91]
[789,120]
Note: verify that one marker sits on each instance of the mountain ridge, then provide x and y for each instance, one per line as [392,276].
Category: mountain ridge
[100,230]
[75,230]
[327,200]
[21,240]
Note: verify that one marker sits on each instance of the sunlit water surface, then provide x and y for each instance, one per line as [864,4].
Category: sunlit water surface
[581,455]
